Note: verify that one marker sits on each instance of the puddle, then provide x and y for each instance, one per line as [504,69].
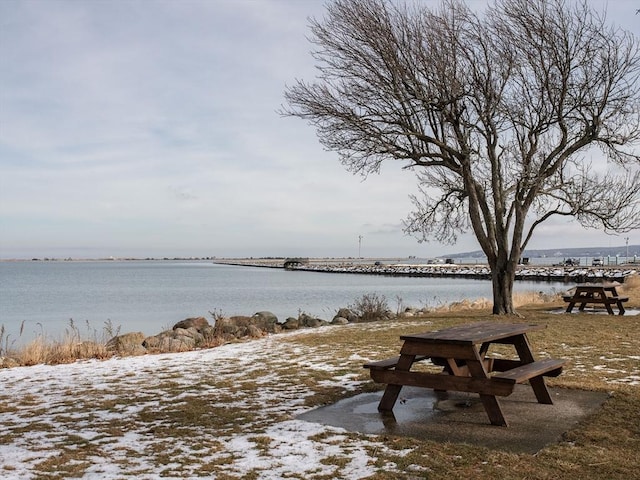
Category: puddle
[461,418]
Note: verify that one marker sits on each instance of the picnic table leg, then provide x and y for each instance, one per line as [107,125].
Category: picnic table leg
[570,307]
[537,383]
[389,398]
[609,309]
[494,410]
[620,307]
[490,402]
[392,391]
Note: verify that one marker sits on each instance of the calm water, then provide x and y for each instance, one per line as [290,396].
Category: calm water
[151,296]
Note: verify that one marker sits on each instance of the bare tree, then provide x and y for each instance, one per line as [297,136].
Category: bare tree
[498,115]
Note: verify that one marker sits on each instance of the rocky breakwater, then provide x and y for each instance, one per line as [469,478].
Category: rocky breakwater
[194,333]
[524,272]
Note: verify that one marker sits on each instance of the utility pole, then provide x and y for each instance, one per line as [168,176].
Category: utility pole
[359,245]
[626,258]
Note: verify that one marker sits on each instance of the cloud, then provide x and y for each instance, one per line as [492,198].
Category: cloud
[151,128]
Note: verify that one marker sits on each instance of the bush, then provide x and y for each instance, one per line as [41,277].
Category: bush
[371,307]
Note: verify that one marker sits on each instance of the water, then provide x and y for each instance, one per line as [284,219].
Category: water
[151,296]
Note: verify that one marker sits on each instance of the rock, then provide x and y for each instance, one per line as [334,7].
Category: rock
[255,332]
[266,321]
[176,340]
[190,332]
[311,322]
[291,324]
[170,341]
[240,327]
[199,323]
[339,321]
[127,344]
[348,314]
[230,326]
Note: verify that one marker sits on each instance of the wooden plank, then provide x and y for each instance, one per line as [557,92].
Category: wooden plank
[549,367]
[595,300]
[383,364]
[486,386]
[472,334]
[390,362]
[442,350]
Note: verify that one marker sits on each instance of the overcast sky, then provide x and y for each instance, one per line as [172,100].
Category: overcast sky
[149,128]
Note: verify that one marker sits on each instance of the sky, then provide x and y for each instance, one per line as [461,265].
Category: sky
[142,128]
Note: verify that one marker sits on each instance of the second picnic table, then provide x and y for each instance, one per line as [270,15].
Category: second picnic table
[462,353]
[598,294]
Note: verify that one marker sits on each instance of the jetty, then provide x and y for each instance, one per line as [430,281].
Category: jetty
[542,273]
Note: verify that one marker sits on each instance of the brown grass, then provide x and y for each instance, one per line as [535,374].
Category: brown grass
[73,346]
[631,288]
[67,350]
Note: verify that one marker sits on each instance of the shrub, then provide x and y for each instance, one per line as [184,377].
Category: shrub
[370,307]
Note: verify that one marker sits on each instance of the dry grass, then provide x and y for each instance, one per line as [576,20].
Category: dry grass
[67,350]
[631,288]
[74,345]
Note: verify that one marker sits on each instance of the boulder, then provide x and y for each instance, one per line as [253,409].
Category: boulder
[348,314]
[170,341]
[240,327]
[291,324]
[339,321]
[307,320]
[176,340]
[266,321]
[190,332]
[199,323]
[127,344]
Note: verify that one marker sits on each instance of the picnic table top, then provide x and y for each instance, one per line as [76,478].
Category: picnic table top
[474,333]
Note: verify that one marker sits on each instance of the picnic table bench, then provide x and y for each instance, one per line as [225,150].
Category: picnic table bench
[462,353]
[597,294]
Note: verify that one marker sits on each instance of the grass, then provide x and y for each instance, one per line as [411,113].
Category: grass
[74,345]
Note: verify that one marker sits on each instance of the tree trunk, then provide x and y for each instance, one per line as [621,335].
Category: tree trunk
[502,277]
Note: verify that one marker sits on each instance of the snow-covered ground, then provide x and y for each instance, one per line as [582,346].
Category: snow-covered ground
[101,414]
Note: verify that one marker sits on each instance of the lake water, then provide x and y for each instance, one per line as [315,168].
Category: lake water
[151,296]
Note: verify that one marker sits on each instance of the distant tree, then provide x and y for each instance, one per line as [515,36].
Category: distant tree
[498,115]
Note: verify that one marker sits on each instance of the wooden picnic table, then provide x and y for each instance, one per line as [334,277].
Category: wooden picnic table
[462,353]
[597,294]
